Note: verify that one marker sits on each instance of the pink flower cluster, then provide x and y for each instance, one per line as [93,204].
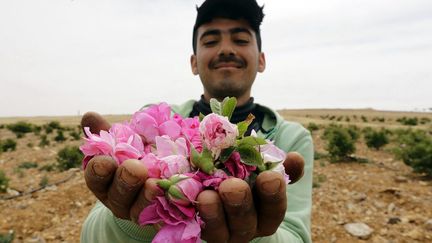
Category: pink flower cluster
[165,144]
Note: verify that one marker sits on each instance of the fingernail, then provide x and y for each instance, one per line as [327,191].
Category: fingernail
[271,187]
[128,178]
[234,198]
[100,170]
[208,211]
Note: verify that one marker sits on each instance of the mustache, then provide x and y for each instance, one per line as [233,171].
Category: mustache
[227,59]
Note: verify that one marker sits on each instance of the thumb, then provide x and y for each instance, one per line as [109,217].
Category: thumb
[95,122]
[294,166]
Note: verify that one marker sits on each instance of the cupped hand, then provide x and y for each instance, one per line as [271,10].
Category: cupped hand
[238,214]
[124,189]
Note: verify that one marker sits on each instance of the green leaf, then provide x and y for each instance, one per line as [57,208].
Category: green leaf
[201,116]
[228,106]
[243,125]
[252,141]
[226,153]
[249,155]
[215,106]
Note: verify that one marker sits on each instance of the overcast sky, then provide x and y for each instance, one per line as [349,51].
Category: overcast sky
[63,57]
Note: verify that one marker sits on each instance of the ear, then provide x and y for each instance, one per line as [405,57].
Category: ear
[261,62]
[194,66]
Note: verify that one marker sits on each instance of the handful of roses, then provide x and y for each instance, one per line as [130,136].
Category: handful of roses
[186,155]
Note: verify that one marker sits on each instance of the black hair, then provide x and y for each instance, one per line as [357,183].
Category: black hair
[248,10]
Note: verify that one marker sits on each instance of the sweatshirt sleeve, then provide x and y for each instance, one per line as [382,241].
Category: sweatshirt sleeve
[296,224]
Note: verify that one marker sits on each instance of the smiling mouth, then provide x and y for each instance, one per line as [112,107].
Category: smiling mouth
[224,65]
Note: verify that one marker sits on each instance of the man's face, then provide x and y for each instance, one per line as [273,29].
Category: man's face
[227,58]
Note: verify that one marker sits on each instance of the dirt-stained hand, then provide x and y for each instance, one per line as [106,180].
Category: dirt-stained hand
[124,189]
[235,214]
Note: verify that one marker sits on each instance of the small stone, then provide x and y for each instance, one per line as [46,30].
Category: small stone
[391,207]
[428,225]
[358,197]
[360,230]
[400,179]
[379,204]
[36,239]
[393,220]
[12,192]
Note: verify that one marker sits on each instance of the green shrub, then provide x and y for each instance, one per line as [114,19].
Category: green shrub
[312,127]
[54,125]
[2,126]
[4,181]
[28,165]
[37,130]
[416,150]
[69,157]
[44,141]
[424,120]
[44,181]
[7,238]
[364,119]
[376,139]
[60,136]
[20,128]
[353,131]
[75,135]
[340,144]
[8,144]
[48,167]
[410,121]
[347,119]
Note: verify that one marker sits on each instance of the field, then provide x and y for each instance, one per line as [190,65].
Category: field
[44,204]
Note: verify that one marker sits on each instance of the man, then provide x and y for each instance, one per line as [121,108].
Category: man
[227,56]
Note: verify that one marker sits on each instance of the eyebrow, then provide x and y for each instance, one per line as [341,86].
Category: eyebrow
[232,31]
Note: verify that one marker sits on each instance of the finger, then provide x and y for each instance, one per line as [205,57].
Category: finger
[99,174]
[211,211]
[239,209]
[128,180]
[294,166]
[95,122]
[272,202]
[148,193]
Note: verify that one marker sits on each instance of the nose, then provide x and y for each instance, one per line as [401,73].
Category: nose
[226,48]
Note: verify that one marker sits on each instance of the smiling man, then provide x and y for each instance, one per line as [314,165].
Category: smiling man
[227,57]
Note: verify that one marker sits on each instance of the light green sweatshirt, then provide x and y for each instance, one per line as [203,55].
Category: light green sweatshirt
[102,226]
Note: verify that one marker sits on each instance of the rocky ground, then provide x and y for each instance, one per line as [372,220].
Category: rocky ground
[384,194]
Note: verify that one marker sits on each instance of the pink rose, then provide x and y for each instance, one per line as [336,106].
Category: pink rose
[189,188]
[102,144]
[214,180]
[152,163]
[271,153]
[155,121]
[217,133]
[190,130]
[173,164]
[237,168]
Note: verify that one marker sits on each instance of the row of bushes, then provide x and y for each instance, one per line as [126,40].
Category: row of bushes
[414,147]
[409,121]
[21,128]
[68,157]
